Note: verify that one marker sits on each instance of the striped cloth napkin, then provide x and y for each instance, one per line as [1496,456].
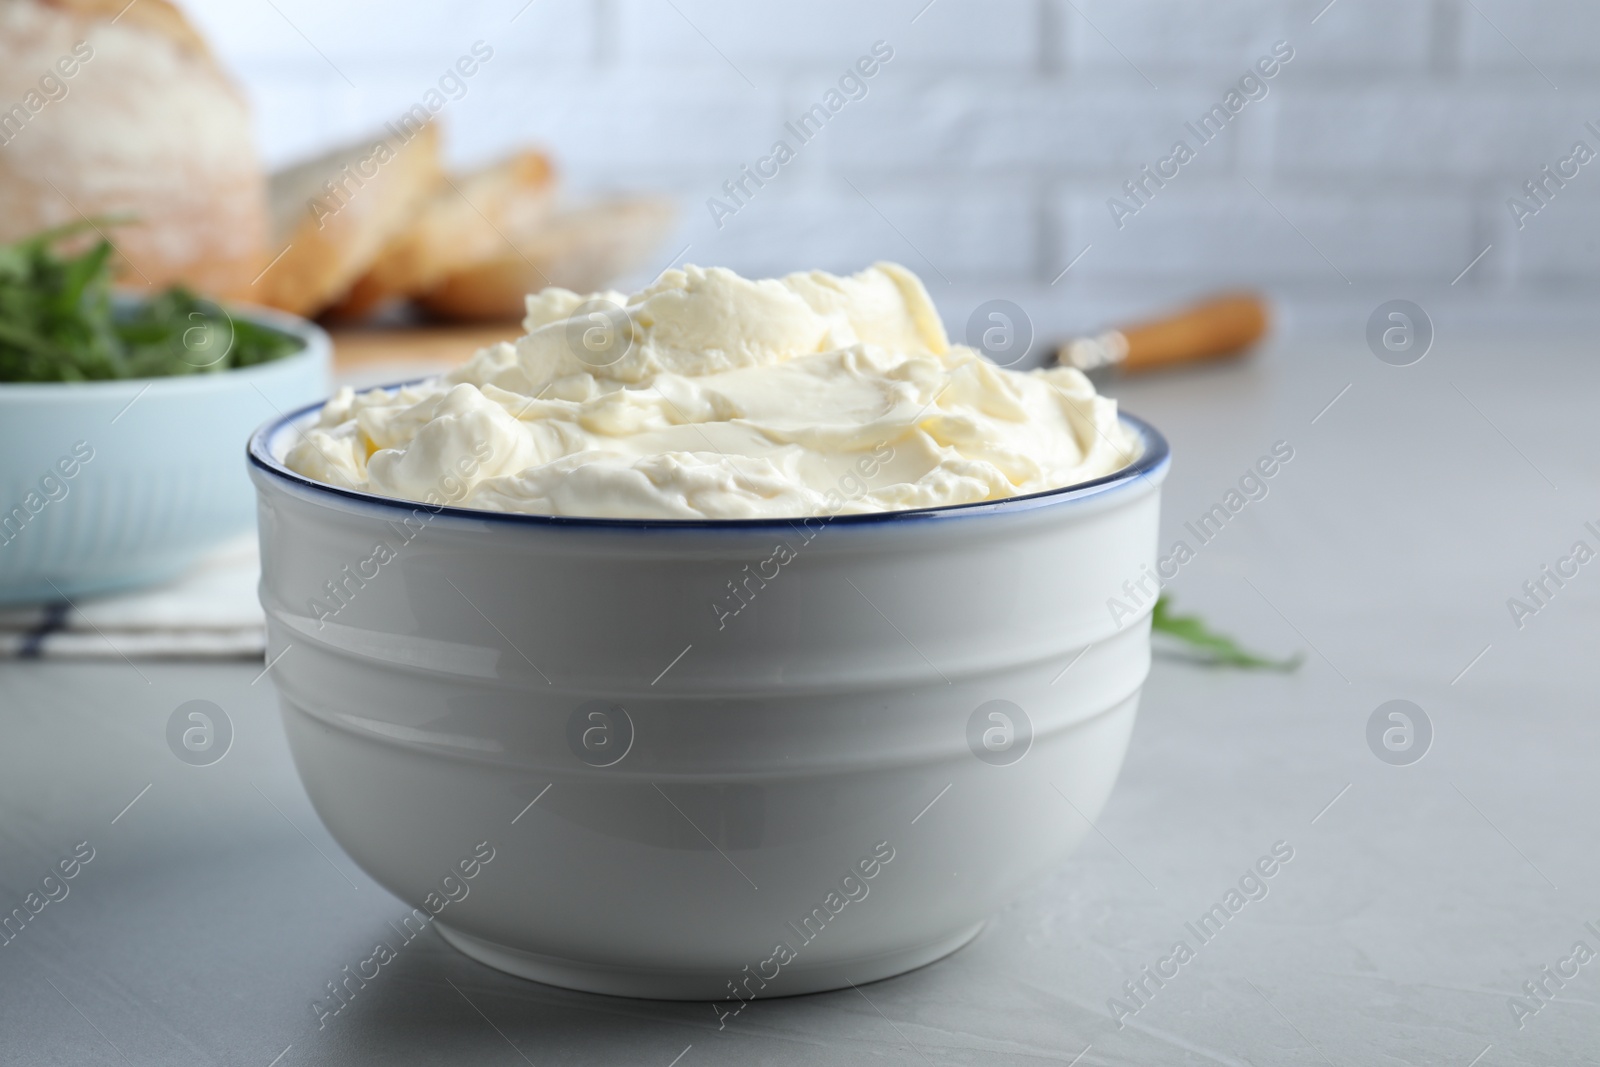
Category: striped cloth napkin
[211,612]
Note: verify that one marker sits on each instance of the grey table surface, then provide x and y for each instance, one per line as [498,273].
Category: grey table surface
[1419,900]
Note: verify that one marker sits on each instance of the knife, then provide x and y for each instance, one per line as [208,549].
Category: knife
[1219,327]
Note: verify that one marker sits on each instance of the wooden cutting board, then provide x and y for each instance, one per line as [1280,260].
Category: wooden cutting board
[356,347]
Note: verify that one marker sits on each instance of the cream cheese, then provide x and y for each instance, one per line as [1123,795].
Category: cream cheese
[708,395]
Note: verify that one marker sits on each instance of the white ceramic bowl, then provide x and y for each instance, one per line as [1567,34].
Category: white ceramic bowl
[916,713]
[112,484]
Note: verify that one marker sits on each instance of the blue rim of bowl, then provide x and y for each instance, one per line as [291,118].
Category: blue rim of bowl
[1152,460]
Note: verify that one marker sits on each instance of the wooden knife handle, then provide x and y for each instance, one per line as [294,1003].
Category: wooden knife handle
[1215,328]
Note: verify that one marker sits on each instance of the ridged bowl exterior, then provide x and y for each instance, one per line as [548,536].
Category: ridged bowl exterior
[164,480]
[430,697]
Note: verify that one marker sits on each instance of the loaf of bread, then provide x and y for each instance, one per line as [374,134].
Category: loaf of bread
[333,216]
[115,110]
[581,248]
[463,223]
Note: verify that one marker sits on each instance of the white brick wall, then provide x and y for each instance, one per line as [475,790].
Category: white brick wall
[985,150]
[1226,233]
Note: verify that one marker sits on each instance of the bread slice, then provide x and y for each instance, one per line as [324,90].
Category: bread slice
[461,224]
[157,16]
[332,216]
[130,116]
[580,249]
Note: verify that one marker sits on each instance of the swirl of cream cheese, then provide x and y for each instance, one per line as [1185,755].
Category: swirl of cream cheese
[723,398]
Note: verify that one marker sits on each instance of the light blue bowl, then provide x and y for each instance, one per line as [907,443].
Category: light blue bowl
[111,485]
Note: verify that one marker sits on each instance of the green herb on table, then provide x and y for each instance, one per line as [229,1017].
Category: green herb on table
[1210,647]
[58,322]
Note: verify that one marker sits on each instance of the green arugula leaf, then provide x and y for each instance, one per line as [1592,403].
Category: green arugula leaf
[1215,649]
[58,322]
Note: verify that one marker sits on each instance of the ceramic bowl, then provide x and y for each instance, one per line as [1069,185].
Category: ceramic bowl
[113,484]
[707,760]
